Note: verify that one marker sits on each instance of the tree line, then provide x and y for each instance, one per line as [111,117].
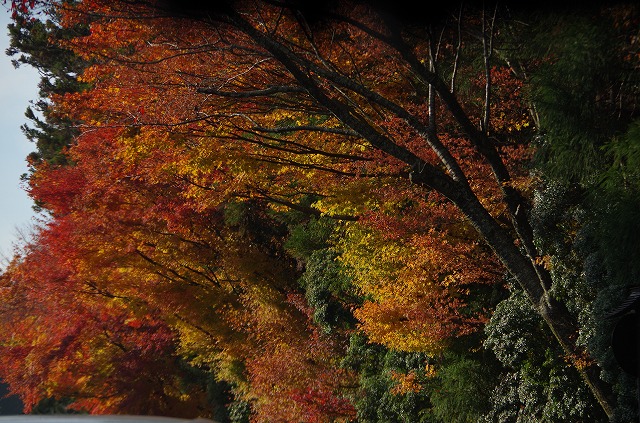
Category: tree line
[276,211]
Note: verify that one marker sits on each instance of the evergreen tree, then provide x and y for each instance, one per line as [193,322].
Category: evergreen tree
[586,206]
[37,43]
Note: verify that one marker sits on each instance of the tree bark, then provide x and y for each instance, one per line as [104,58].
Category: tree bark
[555,314]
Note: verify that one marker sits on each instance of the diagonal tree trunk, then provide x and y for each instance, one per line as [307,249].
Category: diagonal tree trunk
[534,280]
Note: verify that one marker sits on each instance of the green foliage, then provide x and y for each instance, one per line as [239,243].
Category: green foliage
[53,405]
[586,213]
[588,230]
[234,212]
[625,153]
[201,379]
[511,332]
[239,412]
[616,206]
[36,43]
[570,95]
[326,287]
[325,283]
[550,392]
[533,384]
[462,390]
[308,237]
[375,400]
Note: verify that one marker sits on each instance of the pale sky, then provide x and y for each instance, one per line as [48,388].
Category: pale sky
[17,88]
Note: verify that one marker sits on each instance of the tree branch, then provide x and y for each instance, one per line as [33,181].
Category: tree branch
[276,89]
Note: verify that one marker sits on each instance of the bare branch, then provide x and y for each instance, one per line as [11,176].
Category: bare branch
[280,89]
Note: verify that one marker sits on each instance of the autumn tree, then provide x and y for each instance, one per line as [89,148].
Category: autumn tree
[89,352]
[403,143]
[286,78]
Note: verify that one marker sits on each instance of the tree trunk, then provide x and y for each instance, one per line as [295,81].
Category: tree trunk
[558,318]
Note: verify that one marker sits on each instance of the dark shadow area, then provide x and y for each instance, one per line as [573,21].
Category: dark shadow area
[9,405]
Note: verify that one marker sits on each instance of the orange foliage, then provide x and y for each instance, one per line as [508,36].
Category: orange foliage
[183,117]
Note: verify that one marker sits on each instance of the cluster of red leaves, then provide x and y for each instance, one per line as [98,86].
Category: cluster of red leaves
[21,6]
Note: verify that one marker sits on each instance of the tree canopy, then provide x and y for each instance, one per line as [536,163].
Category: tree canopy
[326,212]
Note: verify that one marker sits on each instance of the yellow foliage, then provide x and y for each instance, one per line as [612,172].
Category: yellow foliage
[430,370]
[352,197]
[413,286]
[373,261]
[389,325]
